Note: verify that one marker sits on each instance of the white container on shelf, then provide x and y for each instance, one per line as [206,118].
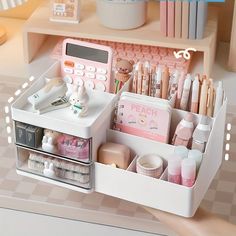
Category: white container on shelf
[122,14]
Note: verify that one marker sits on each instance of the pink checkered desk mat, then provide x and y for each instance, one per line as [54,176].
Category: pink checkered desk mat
[21,193]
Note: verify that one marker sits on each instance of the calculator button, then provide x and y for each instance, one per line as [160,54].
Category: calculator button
[78,81]
[79,66]
[79,72]
[90,68]
[100,86]
[69,63]
[89,84]
[101,77]
[90,75]
[68,70]
[102,71]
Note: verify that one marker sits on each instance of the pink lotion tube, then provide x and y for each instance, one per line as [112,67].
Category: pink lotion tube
[188,172]
[174,169]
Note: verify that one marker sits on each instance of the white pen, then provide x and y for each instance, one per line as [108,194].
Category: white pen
[195,95]
[219,98]
[157,84]
[185,94]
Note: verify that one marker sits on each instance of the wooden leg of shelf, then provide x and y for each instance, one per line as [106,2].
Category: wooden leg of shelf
[32,43]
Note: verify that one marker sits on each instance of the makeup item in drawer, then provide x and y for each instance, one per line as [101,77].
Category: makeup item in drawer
[174,168]
[33,136]
[144,116]
[150,165]
[20,132]
[73,147]
[197,156]
[201,134]
[60,169]
[114,154]
[181,151]
[184,131]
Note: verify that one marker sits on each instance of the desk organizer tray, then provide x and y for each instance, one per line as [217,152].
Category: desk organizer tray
[158,193]
[124,184]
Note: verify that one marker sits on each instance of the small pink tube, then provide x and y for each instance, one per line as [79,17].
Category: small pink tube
[174,169]
[188,172]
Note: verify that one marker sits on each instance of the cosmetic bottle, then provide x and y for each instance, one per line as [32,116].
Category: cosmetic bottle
[219,98]
[188,172]
[184,131]
[201,134]
[174,169]
[197,156]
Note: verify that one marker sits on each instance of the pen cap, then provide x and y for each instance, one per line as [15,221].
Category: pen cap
[181,151]
[195,155]
[174,165]
[188,169]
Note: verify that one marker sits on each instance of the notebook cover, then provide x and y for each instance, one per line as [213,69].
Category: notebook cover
[178,18]
[185,18]
[171,18]
[143,120]
[201,18]
[192,19]
[163,17]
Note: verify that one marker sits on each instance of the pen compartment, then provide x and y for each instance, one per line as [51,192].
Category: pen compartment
[159,193]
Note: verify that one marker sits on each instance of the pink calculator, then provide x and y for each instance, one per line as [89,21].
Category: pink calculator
[87,63]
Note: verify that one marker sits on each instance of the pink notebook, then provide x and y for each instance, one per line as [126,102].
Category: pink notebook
[144,116]
[171,18]
[163,17]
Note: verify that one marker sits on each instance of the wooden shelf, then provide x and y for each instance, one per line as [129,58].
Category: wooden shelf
[38,27]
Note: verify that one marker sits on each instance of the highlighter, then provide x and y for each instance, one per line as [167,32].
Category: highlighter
[203,98]
[186,91]
[195,95]
[165,82]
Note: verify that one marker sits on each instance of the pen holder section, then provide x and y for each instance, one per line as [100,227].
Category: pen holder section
[58,169]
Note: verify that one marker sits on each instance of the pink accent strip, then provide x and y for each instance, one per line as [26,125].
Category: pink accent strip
[171,18]
[142,133]
[163,17]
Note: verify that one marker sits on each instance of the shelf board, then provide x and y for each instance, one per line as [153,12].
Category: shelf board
[39,26]
[89,27]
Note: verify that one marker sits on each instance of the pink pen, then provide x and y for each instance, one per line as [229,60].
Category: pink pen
[180,89]
[195,95]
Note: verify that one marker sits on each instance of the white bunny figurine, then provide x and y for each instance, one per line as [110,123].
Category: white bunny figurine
[79,101]
[49,170]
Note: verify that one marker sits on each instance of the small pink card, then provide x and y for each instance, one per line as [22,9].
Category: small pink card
[144,120]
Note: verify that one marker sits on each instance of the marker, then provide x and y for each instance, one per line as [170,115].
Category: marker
[195,95]
[185,94]
[210,98]
[203,98]
[165,82]
[180,89]
[219,97]
[157,85]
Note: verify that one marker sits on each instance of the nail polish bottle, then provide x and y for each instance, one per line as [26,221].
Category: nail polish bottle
[174,169]
[188,172]
[201,134]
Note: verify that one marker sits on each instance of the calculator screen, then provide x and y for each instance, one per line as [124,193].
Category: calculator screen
[87,53]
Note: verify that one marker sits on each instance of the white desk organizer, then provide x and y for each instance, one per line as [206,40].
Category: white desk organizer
[124,184]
